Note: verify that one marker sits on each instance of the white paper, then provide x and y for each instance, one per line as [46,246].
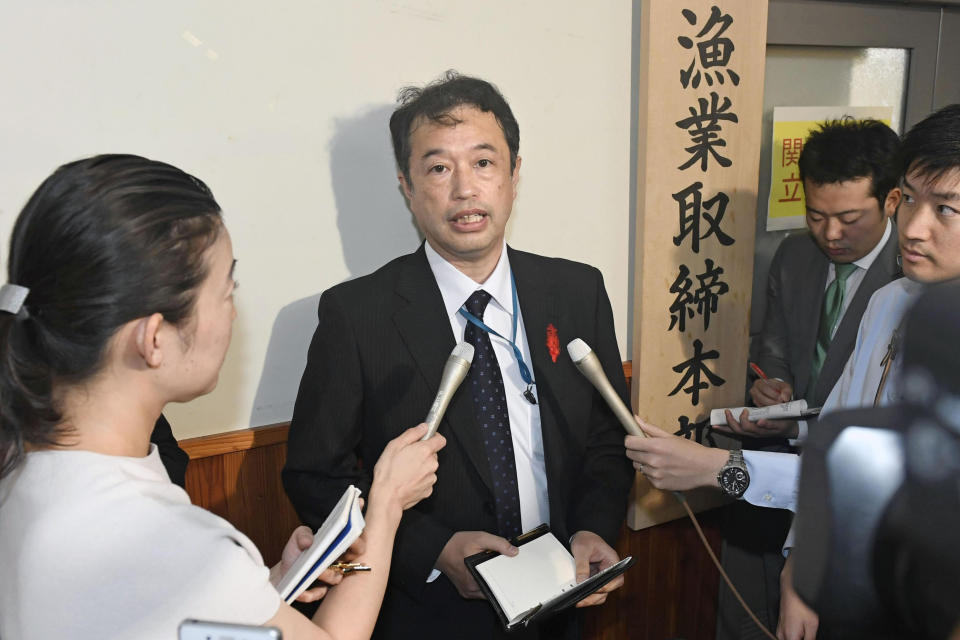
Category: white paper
[791,409]
[542,570]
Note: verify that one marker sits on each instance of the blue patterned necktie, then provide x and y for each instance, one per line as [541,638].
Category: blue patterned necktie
[490,408]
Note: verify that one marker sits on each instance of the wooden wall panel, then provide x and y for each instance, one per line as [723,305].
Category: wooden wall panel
[206,486]
[259,501]
[671,591]
[244,487]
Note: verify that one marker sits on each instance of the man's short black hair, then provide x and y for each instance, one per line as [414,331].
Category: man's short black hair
[932,146]
[849,149]
[435,101]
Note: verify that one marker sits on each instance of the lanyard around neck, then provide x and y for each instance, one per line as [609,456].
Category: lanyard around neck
[512,340]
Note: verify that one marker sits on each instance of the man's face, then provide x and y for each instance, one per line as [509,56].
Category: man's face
[461,189]
[846,221]
[929,226]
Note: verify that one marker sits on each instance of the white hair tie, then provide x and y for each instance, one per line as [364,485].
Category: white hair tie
[12,297]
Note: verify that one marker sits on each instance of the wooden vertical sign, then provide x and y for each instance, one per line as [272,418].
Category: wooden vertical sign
[701,91]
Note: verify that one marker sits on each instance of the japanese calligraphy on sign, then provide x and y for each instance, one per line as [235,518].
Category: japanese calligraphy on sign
[702,83]
[712,52]
[791,126]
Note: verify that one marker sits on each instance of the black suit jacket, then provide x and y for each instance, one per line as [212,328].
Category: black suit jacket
[173,457]
[796,283]
[373,368]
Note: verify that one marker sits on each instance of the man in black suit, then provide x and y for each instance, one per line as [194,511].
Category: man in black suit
[376,359]
[848,168]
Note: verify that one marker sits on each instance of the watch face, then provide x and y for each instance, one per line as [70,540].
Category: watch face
[734,481]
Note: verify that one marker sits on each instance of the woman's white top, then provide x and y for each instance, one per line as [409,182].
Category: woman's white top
[97,546]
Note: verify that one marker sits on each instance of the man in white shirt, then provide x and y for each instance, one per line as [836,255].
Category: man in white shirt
[929,239]
[528,439]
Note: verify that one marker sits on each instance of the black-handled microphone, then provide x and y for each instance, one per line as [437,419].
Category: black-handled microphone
[589,365]
[453,374]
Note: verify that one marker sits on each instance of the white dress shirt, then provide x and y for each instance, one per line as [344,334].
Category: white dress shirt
[857,385]
[456,288]
[774,476]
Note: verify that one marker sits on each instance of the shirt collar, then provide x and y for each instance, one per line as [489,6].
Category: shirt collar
[867,260]
[456,287]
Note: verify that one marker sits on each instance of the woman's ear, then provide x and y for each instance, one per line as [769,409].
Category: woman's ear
[150,343]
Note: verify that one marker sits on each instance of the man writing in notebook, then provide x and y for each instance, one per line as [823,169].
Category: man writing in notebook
[529,441]
[928,227]
[819,284]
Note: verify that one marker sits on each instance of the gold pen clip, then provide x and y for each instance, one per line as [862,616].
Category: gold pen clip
[350,567]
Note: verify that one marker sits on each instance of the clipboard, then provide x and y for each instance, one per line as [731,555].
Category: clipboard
[565,596]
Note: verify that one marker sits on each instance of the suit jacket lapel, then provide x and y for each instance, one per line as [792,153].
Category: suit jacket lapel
[807,310]
[880,273]
[425,330]
[539,308]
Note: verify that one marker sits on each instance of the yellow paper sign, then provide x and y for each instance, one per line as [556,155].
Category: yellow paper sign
[786,190]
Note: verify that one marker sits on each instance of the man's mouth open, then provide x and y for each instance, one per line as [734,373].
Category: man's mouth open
[468,219]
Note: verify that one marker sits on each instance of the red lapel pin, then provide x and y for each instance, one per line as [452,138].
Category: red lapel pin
[553,342]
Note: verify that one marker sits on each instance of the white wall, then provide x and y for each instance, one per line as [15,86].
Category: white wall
[282,108]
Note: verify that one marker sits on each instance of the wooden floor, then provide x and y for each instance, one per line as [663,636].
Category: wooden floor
[671,591]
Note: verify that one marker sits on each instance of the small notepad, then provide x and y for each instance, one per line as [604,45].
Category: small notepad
[341,528]
[537,582]
[788,410]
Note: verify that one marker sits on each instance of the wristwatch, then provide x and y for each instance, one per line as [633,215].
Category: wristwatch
[733,477]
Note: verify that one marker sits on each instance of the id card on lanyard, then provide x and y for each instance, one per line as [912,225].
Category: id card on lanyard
[524,370]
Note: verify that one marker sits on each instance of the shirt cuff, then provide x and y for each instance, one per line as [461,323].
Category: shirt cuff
[791,537]
[773,479]
[802,431]
[433,575]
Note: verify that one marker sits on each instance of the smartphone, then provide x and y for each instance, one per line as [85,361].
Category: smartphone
[202,630]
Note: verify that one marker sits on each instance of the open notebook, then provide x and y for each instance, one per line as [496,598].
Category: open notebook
[341,528]
[538,581]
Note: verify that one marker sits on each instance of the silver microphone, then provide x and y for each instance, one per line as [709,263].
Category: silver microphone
[589,365]
[453,374]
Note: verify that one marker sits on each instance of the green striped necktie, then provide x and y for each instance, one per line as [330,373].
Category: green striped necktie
[829,316]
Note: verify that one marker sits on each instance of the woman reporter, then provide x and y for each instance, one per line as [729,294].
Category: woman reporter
[120,300]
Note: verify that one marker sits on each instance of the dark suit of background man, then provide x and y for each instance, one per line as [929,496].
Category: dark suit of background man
[376,358]
[173,457]
[848,168]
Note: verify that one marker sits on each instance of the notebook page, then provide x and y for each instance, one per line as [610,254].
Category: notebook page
[541,571]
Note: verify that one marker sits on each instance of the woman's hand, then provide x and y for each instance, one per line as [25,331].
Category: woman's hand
[406,471]
[300,540]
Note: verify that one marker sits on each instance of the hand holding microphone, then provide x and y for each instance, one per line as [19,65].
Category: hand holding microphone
[588,364]
[454,372]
